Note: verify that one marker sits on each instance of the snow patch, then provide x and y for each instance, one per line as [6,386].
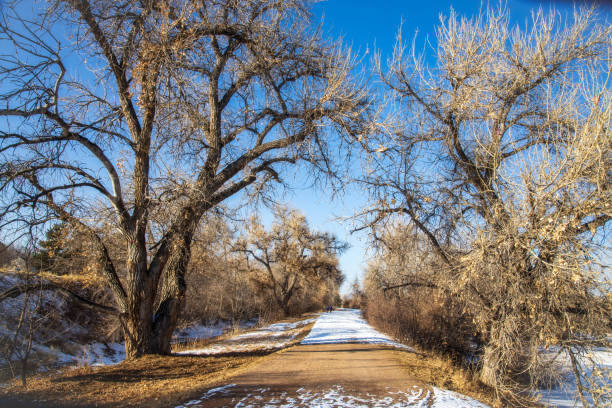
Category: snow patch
[337,396]
[566,395]
[347,326]
[213,391]
[207,331]
[272,337]
[276,329]
[451,399]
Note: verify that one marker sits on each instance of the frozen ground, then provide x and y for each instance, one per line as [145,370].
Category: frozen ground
[271,337]
[335,397]
[346,326]
[565,396]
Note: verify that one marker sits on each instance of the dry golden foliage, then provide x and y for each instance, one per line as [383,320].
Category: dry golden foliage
[501,162]
[295,262]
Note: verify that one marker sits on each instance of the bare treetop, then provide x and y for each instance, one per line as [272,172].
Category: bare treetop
[500,161]
[132,105]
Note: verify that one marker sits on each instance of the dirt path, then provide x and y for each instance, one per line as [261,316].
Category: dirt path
[343,362]
[323,375]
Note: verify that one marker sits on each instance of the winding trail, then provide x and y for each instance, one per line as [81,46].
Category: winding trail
[343,362]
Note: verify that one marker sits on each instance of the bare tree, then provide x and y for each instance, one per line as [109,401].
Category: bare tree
[220,280]
[502,160]
[292,255]
[129,105]
[8,253]
[17,338]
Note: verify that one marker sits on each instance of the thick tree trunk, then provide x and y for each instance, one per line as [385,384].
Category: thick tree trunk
[490,367]
[137,337]
[140,296]
[285,307]
[147,332]
[172,295]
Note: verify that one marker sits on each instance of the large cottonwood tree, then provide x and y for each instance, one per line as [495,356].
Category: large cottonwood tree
[502,160]
[132,105]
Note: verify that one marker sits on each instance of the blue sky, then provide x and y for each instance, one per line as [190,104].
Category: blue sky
[367,25]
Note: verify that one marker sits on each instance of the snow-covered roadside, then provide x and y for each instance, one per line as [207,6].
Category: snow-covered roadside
[200,331]
[97,354]
[271,337]
[347,326]
[275,329]
[566,395]
[103,354]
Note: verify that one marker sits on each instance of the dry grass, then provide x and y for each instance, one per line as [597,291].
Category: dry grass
[151,381]
[444,373]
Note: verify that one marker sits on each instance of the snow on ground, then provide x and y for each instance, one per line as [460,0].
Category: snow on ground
[206,331]
[566,396]
[271,337]
[200,331]
[450,399]
[226,389]
[276,329]
[342,326]
[98,354]
[346,326]
[56,341]
[337,396]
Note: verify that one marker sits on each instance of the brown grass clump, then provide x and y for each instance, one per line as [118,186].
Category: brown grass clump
[151,381]
[444,373]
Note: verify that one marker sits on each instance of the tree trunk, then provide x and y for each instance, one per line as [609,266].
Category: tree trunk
[172,295]
[490,367]
[285,307]
[140,296]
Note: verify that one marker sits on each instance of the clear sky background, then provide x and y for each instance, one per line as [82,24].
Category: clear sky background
[371,25]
